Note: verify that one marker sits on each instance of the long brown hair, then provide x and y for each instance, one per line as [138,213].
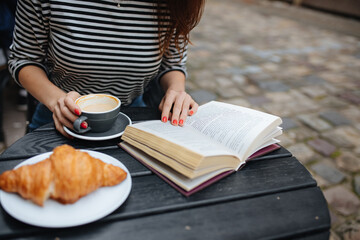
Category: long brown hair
[176,19]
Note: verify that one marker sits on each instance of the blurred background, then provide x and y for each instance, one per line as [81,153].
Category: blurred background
[298,59]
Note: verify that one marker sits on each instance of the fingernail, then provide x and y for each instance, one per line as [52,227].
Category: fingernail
[181,122]
[77,112]
[174,122]
[83,125]
[191,112]
[164,119]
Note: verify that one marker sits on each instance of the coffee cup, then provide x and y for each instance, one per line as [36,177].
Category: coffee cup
[100,111]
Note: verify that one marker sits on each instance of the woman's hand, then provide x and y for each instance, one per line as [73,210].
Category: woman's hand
[65,112]
[176,106]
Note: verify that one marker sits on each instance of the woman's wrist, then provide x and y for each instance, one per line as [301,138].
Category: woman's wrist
[173,80]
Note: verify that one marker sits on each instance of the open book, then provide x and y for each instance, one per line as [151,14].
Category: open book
[213,143]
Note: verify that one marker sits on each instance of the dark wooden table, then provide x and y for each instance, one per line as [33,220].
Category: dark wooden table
[272,197]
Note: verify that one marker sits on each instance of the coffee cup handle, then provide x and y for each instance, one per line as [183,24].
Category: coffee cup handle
[77,124]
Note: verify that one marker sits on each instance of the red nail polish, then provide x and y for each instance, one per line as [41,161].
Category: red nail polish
[181,122]
[175,122]
[77,112]
[83,125]
[191,112]
[164,119]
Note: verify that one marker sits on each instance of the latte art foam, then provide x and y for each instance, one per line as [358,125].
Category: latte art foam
[98,107]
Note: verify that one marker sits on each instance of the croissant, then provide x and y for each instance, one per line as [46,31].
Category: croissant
[66,176]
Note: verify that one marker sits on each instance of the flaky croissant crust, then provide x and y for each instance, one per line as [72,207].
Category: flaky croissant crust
[66,176]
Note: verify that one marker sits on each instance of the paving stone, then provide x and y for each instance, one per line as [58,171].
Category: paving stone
[270,67]
[239,79]
[357,55]
[315,80]
[357,151]
[335,218]
[346,135]
[349,162]
[229,92]
[350,230]
[285,140]
[332,77]
[297,70]
[279,97]
[231,57]
[204,79]
[314,122]
[250,89]
[237,101]
[202,96]
[350,97]
[335,118]
[334,236]
[302,152]
[329,101]
[357,184]
[352,113]
[337,138]
[332,88]
[275,86]
[342,200]
[206,84]
[322,146]
[302,133]
[353,233]
[190,86]
[286,109]
[321,182]
[244,70]
[314,91]
[224,82]
[335,67]
[288,123]
[316,60]
[257,100]
[329,173]
[357,126]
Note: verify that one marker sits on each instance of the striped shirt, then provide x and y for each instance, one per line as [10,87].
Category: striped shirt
[92,46]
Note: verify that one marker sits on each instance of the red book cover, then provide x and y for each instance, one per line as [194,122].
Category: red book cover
[205,184]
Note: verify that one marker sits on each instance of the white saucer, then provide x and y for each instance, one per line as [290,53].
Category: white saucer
[116,131]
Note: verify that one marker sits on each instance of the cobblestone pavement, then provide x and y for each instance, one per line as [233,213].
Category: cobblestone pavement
[308,75]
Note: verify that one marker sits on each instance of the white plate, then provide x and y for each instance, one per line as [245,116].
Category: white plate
[89,208]
[116,131]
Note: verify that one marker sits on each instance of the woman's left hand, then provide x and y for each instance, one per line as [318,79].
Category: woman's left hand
[176,106]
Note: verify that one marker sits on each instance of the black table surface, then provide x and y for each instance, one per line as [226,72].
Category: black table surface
[272,197]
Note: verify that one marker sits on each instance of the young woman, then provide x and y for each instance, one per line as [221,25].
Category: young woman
[63,49]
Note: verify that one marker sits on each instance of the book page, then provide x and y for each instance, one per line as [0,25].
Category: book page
[172,175]
[233,126]
[184,136]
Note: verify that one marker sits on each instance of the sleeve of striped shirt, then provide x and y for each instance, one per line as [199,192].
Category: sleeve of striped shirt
[174,60]
[30,36]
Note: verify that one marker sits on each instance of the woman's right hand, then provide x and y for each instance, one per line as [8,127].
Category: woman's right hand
[65,112]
